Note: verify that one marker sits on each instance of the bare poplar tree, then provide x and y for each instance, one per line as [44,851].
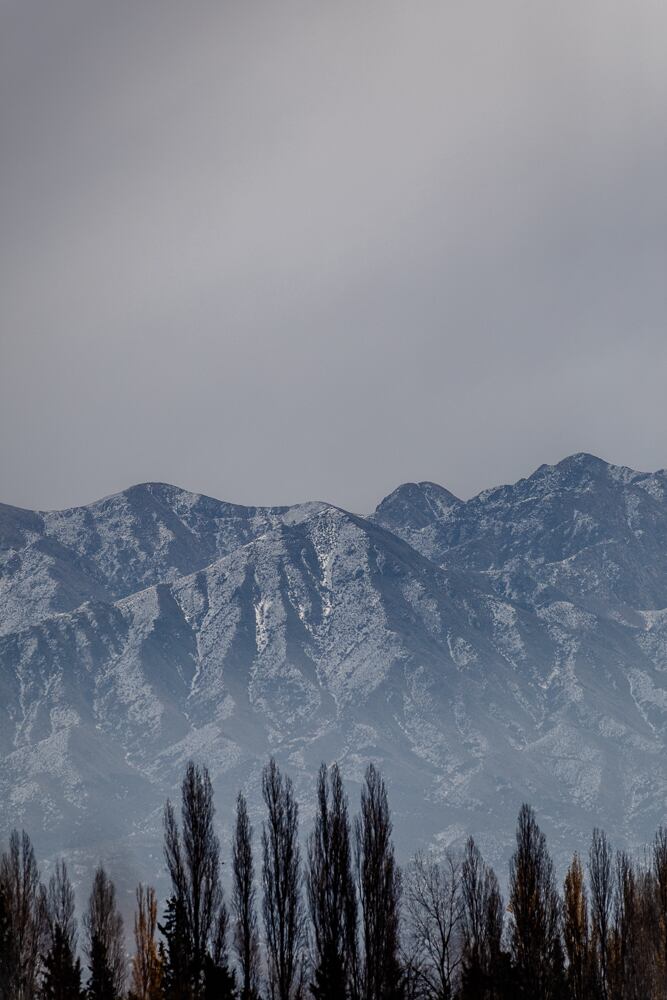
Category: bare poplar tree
[246,935]
[634,936]
[484,963]
[433,908]
[103,926]
[379,886]
[60,905]
[535,909]
[25,904]
[659,858]
[281,877]
[648,938]
[576,932]
[5,944]
[146,982]
[193,861]
[602,895]
[331,892]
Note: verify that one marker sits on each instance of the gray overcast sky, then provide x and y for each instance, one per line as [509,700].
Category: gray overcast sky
[277,251]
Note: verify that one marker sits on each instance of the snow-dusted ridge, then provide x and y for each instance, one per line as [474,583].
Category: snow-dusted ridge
[508,647]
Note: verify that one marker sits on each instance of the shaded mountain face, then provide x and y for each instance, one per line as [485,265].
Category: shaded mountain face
[512,647]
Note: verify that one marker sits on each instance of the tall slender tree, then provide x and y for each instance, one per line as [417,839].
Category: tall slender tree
[634,936]
[62,967]
[284,924]
[25,906]
[379,887]
[5,943]
[602,895]
[146,977]
[103,926]
[245,931]
[648,938]
[331,892]
[576,934]
[659,867]
[197,911]
[535,909]
[485,967]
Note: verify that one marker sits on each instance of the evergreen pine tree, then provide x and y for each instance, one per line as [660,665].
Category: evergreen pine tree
[219,980]
[101,980]
[62,970]
[176,980]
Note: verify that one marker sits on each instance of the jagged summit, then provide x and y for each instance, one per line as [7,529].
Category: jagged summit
[429,501]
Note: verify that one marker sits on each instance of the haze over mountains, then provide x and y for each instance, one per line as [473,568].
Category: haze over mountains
[485,652]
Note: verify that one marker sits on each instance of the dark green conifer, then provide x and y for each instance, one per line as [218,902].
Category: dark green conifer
[101,981]
[175,952]
[62,970]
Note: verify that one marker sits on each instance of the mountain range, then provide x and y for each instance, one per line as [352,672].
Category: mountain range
[485,652]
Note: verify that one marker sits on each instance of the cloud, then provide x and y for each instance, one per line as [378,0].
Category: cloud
[280,251]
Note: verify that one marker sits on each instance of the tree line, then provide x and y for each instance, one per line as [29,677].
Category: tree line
[340,920]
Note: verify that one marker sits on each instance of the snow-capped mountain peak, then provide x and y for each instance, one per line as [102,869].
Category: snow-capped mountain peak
[486,651]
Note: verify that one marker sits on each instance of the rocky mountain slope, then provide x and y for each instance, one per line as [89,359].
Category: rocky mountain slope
[54,561]
[509,647]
